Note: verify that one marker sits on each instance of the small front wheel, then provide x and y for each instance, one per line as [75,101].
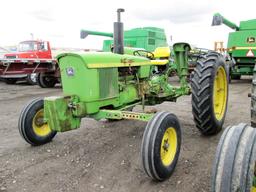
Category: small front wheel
[161,146]
[32,127]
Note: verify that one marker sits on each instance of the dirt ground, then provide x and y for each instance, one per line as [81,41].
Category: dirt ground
[105,156]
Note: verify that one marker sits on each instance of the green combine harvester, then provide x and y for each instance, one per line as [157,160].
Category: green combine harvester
[241,45]
[106,85]
[148,38]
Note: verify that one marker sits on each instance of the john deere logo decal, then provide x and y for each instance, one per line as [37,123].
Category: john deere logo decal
[70,71]
[251,40]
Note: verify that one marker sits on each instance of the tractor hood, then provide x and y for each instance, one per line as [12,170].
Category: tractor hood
[107,59]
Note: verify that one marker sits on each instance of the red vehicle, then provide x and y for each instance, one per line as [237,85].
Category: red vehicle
[31,50]
[31,57]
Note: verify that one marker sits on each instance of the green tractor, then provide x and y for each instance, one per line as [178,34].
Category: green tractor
[106,85]
[234,167]
[241,45]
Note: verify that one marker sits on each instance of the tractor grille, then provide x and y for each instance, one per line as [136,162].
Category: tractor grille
[108,82]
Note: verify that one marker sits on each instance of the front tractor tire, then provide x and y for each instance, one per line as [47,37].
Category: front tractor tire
[161,146]
[31,125]
[45,80]
[209,86]
[234,168]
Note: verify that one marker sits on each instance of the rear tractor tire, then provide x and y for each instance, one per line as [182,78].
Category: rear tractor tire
[46,80]
[234,167]
[209,85]
[31,125]
[161,146]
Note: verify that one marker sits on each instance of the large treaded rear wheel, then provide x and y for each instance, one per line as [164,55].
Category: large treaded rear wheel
[209,86]
[234,166]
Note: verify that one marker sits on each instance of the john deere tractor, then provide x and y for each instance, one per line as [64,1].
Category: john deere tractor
[234,168]
[241,45]
[106,85]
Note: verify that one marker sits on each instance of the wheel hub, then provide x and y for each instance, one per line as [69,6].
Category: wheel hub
[39,121]
[40,127]
[168,146]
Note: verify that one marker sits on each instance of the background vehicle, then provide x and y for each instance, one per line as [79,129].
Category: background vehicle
[3,51]
[241,45]
[31,57]
[31,49]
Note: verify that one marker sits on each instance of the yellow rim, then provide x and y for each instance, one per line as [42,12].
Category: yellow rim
[253,189]
[39,126]
[168,146]
[220,93]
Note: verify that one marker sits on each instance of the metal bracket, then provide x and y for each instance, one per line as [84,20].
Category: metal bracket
[116,114]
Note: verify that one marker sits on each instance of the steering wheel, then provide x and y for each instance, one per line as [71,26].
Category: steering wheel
[144,53]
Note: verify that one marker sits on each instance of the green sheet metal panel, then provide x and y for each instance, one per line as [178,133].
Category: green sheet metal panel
[74,74]
[248,25]
[108,83]
[240,39]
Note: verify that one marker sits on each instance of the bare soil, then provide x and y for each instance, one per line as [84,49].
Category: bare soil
[105,156]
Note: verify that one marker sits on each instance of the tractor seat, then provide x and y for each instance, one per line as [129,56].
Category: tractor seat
[162,52]
[161,56]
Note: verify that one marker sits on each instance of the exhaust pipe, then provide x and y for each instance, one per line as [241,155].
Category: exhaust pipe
[119,34]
